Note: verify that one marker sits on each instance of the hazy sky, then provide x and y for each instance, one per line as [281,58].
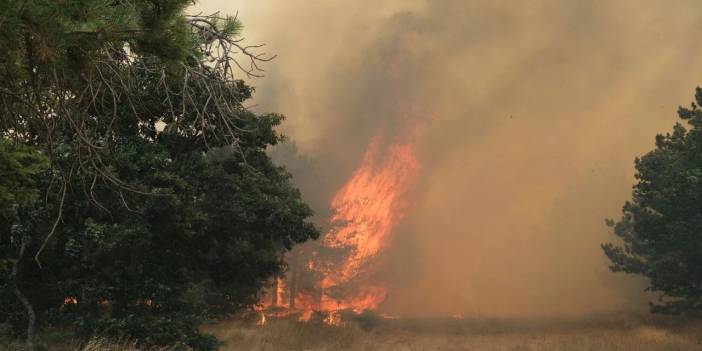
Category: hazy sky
[539,110]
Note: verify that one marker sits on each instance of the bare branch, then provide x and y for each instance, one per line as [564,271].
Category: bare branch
[56,222]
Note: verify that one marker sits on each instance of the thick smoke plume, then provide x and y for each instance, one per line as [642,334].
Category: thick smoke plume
[539,108]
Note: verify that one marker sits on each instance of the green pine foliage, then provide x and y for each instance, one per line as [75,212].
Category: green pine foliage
[661,227]
[140,199]
[19,165]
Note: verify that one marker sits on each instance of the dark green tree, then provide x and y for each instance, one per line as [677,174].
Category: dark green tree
[19,166]
[661,227]
[160,207]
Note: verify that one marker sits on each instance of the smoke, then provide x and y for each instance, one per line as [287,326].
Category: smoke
[531,111]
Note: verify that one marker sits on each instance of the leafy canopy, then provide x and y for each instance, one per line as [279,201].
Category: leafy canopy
[19,165]
[143,199]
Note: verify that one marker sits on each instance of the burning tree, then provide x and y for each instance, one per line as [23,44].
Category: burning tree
[335,274]
[339,271]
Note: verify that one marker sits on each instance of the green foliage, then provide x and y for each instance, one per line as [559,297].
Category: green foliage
[67,34]
[200,241]
[19,165]
[160,208]
[661,228]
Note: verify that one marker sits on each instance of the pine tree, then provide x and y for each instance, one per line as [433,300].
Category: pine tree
[661,227]
[159,200]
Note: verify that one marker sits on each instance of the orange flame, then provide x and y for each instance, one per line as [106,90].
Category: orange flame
[306,316]
[262,321]
[333,318]
[70,300]
[281,293]
[365,211]
[367,208]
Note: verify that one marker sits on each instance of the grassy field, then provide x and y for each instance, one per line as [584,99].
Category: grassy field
[602,333]
[96,344]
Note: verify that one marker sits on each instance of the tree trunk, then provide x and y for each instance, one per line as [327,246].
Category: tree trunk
[31,316]
[293,279]
[274,290]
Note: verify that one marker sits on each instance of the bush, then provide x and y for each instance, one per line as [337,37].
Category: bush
[367,320]
[178,331]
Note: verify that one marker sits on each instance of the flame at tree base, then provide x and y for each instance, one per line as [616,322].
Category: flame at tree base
[336,318]
[333,318]
[366,209]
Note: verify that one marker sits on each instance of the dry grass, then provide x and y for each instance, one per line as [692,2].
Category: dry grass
[604,333]
[107,345]
[95,344]
[600,334]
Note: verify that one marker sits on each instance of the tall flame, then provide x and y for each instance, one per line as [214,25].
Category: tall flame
[366,209]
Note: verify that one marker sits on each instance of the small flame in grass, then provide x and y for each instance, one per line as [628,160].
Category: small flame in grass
[70,300]
[388,316]
[333,318]
[262,321]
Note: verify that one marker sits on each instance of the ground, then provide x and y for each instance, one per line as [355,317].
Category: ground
[603,333]
[595,333]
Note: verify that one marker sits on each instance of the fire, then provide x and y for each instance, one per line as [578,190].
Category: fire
[333,318]
[70,300]
[368,299]
[368,207]
[365,210]
[305,301]
[388,316]
[262,321]
[306,316]
[281,293]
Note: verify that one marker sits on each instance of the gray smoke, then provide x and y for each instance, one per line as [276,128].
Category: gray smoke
[541,107]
